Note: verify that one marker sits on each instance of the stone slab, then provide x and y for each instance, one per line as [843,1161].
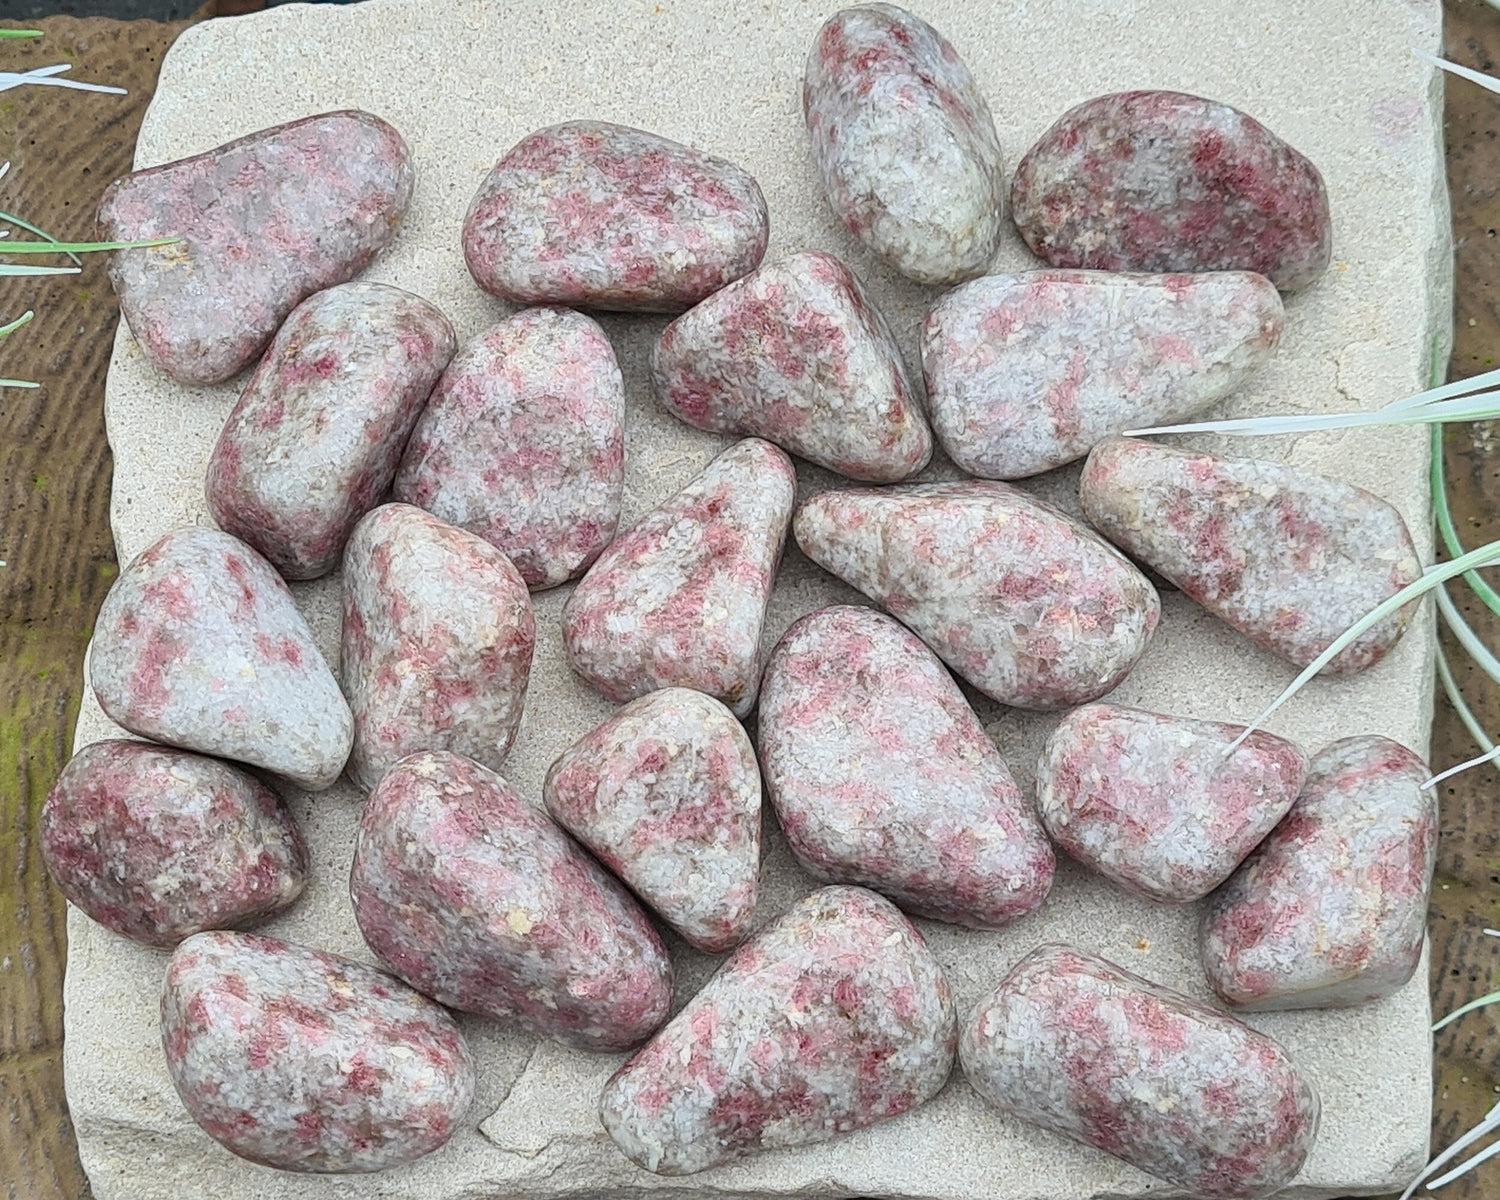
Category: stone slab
[463,80]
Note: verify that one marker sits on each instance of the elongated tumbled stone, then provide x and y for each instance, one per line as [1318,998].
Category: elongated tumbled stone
[159,844]
[199,645]
[905,143]
[475,898]
[1027,372]
[307,1061]
[437,642]
[314,440]
[832,1018]
[523,443]
[1151,802]
[797,354]
[1027,605]
[882,775]
[263,223]
[679,599]
[1289,558]
[1164,181]
[1076,1045]
[1331,910]
[666,793]
[604,216]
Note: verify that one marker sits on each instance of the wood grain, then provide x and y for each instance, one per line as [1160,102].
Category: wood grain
[64,147]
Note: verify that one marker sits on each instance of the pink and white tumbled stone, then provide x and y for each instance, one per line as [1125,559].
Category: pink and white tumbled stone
[1076,1045]
[199,645]
[604,216]
[306,1061]
[437,643]
[666,793]
[473,896]
[679,599]
[797,354]
[1151,802]
[1331,910]
[262,223]
[523,443]
[1164,181]
[882,775]
[1026,372]
[315,438]
[905,143]
[1289,558]
[159,844]
[1026,604]
[832,1018]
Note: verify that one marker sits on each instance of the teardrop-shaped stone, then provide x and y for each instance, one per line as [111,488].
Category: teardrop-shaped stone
[199,645]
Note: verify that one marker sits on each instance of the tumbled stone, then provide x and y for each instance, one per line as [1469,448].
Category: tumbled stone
[473,896]
[1076,1045]
[1289,558]
[1027,372]
[307,1061]
[523,443]
[679,599]
[437,642]
[797,354]
[1331,910]
[604,216]
[1027,605]
[158,844]
[263,222]
[882,775]
[832,1018]
[904,142]
[1163,181]
[199,645]
[314,441]
[1151,802]
[666,793]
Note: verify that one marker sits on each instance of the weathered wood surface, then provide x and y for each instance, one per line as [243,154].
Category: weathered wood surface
[65,147]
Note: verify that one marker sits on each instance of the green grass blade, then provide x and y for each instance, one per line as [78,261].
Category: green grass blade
[1489,1122]
[10,270]
[1441,573]
[20,33]
[1482,406]
[1460,705]
[1447,530]
[20,383]
[17,323]
[1464,1010]
[80,247]
[1465,1167]
[19,223]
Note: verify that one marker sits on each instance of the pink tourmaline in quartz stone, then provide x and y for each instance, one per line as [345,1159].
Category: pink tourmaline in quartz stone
[882,775]
[832,1018]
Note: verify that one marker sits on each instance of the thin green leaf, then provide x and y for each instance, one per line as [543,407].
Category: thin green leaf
[1483,406]
[1488,82]
[20,33]
[10,270]
[1489,1122]
[80,247]
[1465,1167]
[1460,705]
[1436,575]
[19,223]
[17,323]
[48,77]
[20,383]
[1464,1010]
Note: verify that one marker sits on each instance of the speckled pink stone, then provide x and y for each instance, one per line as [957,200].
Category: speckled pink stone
[523,443]
[679,599]
[473,896]
[199,645]
[666,793]
[1331,910]
[882,775]
[306,1061]
[158,844]
[1076,1045]
[1163,181]
[264,222]
[1026,604]
[1289,558]
[437,642]
[314,440]
[1151,802]
[833,1018]
[796,353]
[904,142]
[1027,372]
[604,216]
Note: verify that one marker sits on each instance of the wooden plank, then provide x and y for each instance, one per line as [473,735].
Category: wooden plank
[64,147]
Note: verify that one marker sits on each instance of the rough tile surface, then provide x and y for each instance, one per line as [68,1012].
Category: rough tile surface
[1362,335]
